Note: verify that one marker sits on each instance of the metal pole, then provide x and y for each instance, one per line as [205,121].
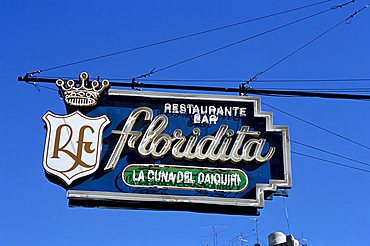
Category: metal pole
[240,90]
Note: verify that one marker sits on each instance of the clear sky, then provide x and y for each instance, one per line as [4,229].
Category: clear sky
[328,204]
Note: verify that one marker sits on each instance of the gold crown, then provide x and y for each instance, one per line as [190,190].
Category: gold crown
[82,95]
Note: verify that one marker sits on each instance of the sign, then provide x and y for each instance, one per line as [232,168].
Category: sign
[135,149]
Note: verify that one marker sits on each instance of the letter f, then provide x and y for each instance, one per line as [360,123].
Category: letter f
[112,162]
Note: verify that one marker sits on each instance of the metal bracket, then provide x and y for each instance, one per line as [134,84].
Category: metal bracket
[135,84]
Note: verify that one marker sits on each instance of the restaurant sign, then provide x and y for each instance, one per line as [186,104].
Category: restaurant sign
[134,149]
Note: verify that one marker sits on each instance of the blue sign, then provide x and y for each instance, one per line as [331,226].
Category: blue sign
[207,153]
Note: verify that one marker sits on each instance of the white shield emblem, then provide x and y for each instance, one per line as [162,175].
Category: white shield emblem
[73,145]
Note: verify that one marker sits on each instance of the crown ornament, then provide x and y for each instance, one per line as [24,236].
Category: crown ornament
[82,95]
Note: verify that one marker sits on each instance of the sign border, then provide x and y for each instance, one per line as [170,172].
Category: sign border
[272,186]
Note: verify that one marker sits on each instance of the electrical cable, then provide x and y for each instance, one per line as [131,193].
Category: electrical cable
[330,153]
[239,42]
[304,94]
[332,162]
[38,86]
[297,50]
[278,219]
[286,215]
[233,80]
[261,34]
[184,36]
[317,126]
[320,90]
[137,84]
[243,80]
[346,20]
[314,80]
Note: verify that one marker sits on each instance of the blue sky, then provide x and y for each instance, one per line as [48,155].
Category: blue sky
[328,204]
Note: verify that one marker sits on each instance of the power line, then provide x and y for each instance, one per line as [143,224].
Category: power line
[330,153]
[278,91]
[38,86]
[51,80]
[240,41]
[291,93]
[286,215]
[299,49]
[184,36]
[340,89]
[346,20]
[232,80]
[315,80]
[317,126]
[240,89]
[354,89]
[331,162]
[261,34]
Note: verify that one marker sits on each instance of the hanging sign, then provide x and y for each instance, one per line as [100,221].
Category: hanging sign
[208,153]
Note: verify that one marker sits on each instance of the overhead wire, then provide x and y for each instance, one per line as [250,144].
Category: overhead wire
[238,42]
[137,84]
[275,64]
[261,34]
[215,50]
[321,90]
[233,80]
[299,49]
[331,162]
[346,20]
[317,126]
[293,93]
[302,94]
[330,153]
[38,86]
[259,81]
[184,36]
[286,215]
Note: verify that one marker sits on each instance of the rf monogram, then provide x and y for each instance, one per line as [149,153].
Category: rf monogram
[81,146]
[73,145]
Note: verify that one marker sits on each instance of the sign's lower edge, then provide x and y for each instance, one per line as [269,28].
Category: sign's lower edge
[95,199]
